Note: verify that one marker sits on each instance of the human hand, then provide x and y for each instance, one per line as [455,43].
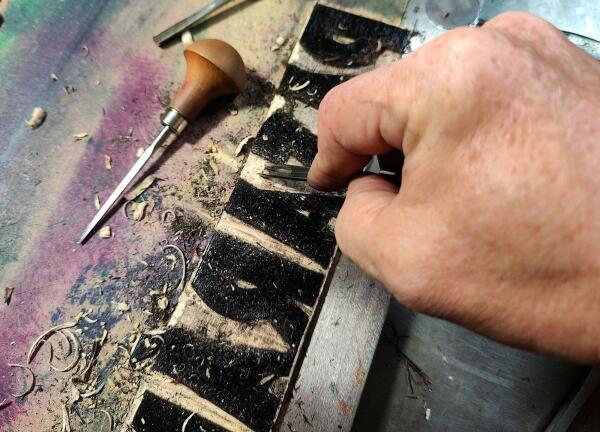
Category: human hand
[497,223]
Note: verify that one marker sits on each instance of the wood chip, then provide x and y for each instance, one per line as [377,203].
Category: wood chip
[299,87]
[107,162]
[163,303]
[53,77]
[105,232]
[138,210]
[8,292]
[66,422]
[213,165]
[109,419]
[37,343]
[241,145]
[31,383]
[139,152]
[80,136]
[122,307]
[185,423]
[183,265]
[140,188]
[97,202]
[38,115]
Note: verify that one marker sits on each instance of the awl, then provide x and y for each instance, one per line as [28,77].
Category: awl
[214,69]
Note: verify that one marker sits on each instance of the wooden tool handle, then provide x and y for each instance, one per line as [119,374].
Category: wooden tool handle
[214,69]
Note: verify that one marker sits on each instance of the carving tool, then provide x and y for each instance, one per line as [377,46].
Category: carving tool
[214,69]
[189,22]
[388,165]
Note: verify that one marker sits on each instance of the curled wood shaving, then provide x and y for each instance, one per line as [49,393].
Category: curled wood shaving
[241,145]
[38,115]
[109,419]
[138,210]
[105,232]
[5,403]
[76,355]
[31,380]
[213,165]
[163,216]
[183,265]
[8,292]
[299,87]
[140,188]
[36,344]
[80,136]
[90,320]
[107,162]
[66,422]
[67,343]
[185,423]
[93,392]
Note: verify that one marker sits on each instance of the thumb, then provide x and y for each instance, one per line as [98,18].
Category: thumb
[359,225]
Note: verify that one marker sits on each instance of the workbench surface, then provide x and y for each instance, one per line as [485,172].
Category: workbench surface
[92,66]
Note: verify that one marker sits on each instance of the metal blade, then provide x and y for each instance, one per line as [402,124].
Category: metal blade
[137,167]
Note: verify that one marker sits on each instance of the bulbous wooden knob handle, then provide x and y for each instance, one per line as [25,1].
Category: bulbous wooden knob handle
[214,69]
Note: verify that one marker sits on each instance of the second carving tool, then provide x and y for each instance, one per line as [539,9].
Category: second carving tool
[214,69]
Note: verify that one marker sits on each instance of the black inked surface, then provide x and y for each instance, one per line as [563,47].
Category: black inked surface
[311,95]
[234,374]
[278,215]
[282,136]
[279,282]
[341,39]
[158,415]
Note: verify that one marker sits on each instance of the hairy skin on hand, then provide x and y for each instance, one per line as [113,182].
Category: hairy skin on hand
[497,223]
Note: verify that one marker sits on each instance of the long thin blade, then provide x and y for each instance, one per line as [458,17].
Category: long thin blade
[137,167]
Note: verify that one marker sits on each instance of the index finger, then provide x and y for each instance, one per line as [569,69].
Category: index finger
[360,118]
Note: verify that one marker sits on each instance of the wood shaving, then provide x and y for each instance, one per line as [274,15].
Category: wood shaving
[186,39]
[183,265]
[5,403]
[122,307]
[37,343]
[241,145]
[107,162]
[299,87]
[185,423]
[105,232]
[266,379]
[53,77]
[76,354]
[109,419]
[97,202]
[80,136]
[66,423]
[31,384]
[163,303]
[139,152]
[140,188]
[138,210]
[38,115]
[93,392]
[213,165]
[8,292]
[163,216]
